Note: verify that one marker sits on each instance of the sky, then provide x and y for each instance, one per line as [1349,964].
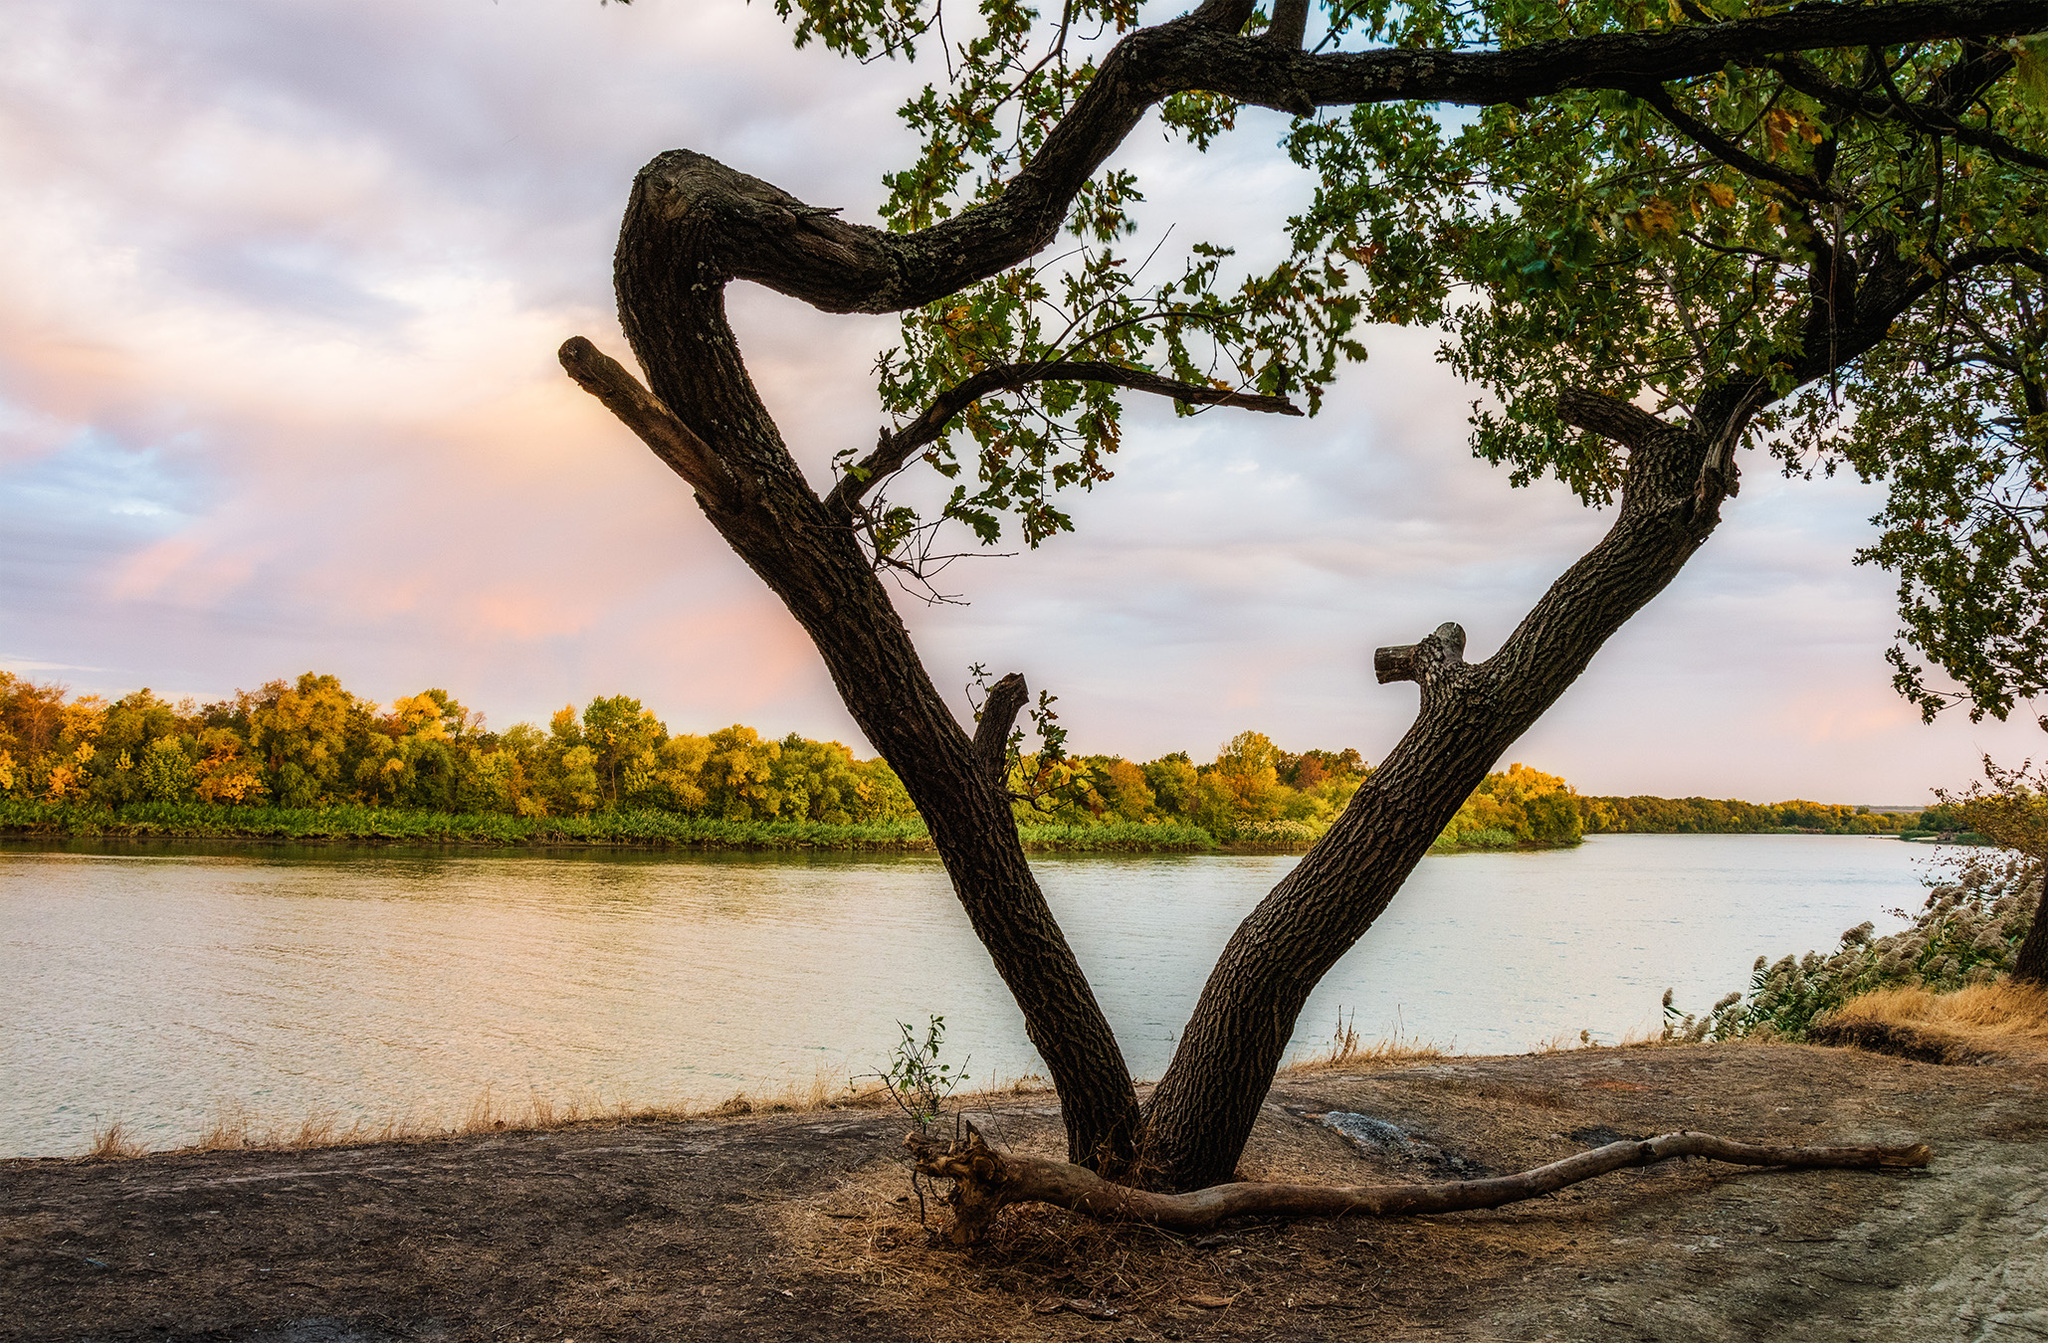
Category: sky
[278,312]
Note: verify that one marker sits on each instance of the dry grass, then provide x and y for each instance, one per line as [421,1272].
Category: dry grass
[236,1128]
[2000,1018]
[112,1143]
[1346,1052]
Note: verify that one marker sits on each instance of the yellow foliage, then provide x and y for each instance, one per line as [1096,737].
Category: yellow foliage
[65,781]
[1782,126]
[1655,217]
[417,716]
[225,775]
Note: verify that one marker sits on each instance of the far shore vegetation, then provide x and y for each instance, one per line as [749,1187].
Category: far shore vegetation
[306,760]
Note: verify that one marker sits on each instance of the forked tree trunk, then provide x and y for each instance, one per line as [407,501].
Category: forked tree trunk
[693,226]
[671,279]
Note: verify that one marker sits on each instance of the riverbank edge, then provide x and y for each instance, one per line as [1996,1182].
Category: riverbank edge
[657,831]
[793,1226]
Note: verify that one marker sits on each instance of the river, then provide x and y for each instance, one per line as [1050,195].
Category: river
[166,987]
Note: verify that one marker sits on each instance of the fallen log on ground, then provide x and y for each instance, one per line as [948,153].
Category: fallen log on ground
[985,1181]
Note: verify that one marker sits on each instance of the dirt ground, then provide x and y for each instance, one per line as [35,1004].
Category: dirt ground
[802,1227]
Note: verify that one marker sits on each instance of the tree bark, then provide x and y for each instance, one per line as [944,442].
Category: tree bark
[986,1181]
[2030,963]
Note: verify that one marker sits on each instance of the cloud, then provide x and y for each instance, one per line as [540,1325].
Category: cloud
[277,392]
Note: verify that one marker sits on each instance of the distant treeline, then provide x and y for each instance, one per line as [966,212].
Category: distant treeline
[308,758]
[1727,816]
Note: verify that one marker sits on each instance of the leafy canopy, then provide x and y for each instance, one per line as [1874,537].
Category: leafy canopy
[1842,250]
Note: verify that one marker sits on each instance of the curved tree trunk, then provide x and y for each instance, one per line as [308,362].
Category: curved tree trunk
[671,295]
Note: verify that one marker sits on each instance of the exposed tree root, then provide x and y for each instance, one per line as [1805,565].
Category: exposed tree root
[985,1180]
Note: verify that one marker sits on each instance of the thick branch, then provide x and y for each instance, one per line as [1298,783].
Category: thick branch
[897,448]
[762,233]
[986,1181]
[992,733]
[1208,1100]
[1289,24]
[641,411]
[1607,416]
[1258,72]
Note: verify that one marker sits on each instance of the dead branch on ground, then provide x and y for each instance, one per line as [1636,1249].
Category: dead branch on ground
[986,1180]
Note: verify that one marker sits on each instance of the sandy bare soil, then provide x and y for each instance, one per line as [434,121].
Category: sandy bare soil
[802,1227]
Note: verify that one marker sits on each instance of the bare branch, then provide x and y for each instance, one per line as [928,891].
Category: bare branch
[986,1181]
[641,411]
[992,733]
[897,448]
[1224,15]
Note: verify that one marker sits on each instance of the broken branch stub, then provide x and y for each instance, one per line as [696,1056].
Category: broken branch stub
[992,733]
[1418,662]
[985,1181]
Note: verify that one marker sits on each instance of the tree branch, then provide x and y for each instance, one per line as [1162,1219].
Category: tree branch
[641,411]
[747,229]
[1935,119]
[992,733]
[1231,66]
[897,448]
[1607,416]
[985,1181]
[1289,24]
[1726,150]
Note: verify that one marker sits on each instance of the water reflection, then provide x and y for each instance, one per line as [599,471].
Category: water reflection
[162,986]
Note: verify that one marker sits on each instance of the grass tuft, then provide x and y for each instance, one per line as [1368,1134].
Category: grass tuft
[112,1143]
[237,1129]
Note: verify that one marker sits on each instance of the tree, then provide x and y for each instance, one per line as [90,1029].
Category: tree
[1659,228]
[2013,813]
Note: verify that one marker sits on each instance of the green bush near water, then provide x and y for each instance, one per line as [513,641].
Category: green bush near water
[346,823]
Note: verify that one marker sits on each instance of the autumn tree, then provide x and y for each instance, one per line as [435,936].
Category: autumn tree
[1663,236]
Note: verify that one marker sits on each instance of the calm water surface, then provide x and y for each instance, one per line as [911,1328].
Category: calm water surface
[164,989]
